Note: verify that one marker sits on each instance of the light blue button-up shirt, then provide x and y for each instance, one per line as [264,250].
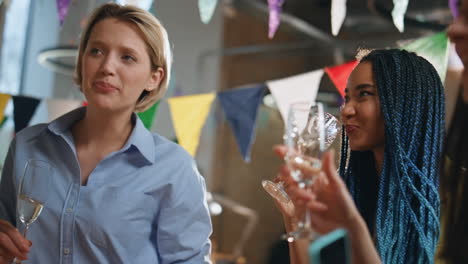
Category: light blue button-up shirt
[142,204]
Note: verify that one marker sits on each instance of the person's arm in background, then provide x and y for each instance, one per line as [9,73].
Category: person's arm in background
[12,243]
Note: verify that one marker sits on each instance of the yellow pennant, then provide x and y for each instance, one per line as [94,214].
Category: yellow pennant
[4,98]
[189,114]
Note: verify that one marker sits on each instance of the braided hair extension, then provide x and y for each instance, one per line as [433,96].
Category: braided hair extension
[405,217]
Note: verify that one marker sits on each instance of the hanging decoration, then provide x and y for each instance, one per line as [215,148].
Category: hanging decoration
[453,5]
[4,99]
[23,110]
[147,117]
[241,107]
[275,7]
[338,15]
[435,49]
[62,7]
[188,116]
[339,75]
[206,9]
[58,107]
[143,4]
[302,87]
[398,14]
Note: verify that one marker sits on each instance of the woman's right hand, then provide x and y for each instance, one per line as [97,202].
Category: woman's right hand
[12,243]
[331,204]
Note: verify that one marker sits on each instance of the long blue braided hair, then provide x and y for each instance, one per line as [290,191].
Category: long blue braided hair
[401,205]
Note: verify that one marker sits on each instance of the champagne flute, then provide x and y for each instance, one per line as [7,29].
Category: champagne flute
[32,193]
[332,129]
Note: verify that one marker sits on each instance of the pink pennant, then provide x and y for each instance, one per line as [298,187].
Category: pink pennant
[453,4]
[62,6]
[274,19]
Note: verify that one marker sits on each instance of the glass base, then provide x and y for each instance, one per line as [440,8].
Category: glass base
[276,191]
[300,234]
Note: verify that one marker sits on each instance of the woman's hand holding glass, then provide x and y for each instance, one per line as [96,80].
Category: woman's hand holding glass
[31,197]
[329,202]
[12,243]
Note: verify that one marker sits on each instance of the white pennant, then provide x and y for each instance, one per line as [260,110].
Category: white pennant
[398,13]
[58,107]
[298,88]
[206,9]
[143,4]
[338,15]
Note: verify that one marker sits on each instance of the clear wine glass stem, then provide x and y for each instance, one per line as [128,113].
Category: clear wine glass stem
[24,233]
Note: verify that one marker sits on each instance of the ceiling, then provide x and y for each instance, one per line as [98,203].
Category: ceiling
[368,22]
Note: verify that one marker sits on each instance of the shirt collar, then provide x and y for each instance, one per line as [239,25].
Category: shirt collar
[140,138]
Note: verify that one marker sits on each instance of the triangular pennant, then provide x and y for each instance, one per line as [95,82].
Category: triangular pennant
[435,49]
[23,110]
[274,7]
[206,9]
[143,4]
[58,107]
[398,14]
[4,120]
[302,87]
[62,7]
[339,74]
[338,14]
[453,4]
[188,116]
[147,117]
[4,99]
[240,107]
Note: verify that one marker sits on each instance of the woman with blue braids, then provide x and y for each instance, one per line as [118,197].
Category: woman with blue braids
[387,196]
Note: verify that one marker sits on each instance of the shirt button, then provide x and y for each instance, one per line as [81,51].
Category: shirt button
[66,251]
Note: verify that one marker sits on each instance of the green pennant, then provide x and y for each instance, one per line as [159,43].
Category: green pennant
[5,118]
[433,48]
[147,117]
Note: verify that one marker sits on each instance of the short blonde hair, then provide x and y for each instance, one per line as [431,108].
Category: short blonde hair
[154,35]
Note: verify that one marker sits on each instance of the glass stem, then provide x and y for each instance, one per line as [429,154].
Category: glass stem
[25,230]
[24,233]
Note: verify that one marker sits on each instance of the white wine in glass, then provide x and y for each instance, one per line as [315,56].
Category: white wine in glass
[32,193]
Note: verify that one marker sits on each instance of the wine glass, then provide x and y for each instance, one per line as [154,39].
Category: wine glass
[32,193]
[332,129]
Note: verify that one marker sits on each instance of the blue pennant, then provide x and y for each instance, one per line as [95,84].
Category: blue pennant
[23,110]
[240,107]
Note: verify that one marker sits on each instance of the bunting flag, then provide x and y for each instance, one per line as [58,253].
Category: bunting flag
[62,7]
[23,110]
[241,107]
[433,48]
[147,117]
[58,107]
[398,14]
[4,99]
[302,87]
[4,120]
[188,116]
[274,16]
[338,14]
[206,9]
[339,75]
[143,4]
[453,4]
